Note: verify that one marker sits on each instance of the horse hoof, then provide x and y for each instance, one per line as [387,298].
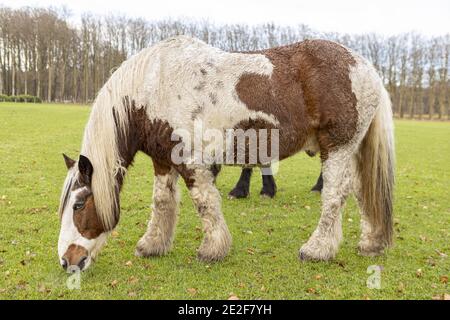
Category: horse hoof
[266,194]
[303,256]
[208,258]
[237,194]
[316,189]
[370,251]
[316,251]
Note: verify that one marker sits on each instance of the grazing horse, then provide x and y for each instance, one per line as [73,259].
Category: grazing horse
[319,95]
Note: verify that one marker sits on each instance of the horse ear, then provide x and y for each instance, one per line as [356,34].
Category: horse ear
[69,162]
[85,168]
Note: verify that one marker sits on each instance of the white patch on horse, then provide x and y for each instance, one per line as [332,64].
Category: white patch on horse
[183,79]
[217,238]
[161,228]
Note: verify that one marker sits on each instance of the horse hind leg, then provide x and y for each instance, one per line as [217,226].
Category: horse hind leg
[337,171]
[269,188]
[217,238]
[158,238]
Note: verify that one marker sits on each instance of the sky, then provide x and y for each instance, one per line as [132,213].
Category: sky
[387,17]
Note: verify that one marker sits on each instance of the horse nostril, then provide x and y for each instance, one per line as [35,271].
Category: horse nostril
[82,262]
[64,263]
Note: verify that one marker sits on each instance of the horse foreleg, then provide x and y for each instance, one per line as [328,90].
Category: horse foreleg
[158,238]
[217,239]
[337,171]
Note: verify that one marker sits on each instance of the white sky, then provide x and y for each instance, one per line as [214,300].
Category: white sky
[430,17]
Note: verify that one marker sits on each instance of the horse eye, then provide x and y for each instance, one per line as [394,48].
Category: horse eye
[78,205]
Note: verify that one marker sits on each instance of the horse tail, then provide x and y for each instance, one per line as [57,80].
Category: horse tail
[376,170]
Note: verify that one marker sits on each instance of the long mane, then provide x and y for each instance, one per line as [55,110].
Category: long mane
[109,119]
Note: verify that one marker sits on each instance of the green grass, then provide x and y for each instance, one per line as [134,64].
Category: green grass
[266,233]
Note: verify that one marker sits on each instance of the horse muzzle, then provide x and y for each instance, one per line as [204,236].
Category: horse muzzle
[75,259]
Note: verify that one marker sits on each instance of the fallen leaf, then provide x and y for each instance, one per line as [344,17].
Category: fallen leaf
[133,280]
[129,263]
[311,290]
[250,251]
[401,287]
[419,273]
[263,288]
[147,265]
[431,262]
[307,207]
[21,285]
[233,297]
[318,277]
[441,254]
[24,262]
[43,289]
[30,254]
[114,234]
[132,294]
[443,279]
[192,291]
[444,296]
[114,283]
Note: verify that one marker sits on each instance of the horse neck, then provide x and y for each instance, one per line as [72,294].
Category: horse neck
[129,143]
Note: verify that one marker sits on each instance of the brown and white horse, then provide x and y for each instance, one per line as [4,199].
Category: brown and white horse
[319,95]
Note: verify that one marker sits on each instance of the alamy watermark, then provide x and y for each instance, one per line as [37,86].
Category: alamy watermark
[374,280]
[73,281]
[251,147]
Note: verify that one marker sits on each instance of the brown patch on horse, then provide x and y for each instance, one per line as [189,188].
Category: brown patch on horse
[154,138]
[264,139]
[86,220]
[309,92]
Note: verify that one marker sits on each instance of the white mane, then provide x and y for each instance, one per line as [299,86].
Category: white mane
[100,135]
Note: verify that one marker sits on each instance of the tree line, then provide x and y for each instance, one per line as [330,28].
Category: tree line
[42,54]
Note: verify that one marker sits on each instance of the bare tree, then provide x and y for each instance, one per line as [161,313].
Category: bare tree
[43,54]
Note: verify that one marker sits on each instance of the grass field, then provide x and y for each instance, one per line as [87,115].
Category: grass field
[266,233]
